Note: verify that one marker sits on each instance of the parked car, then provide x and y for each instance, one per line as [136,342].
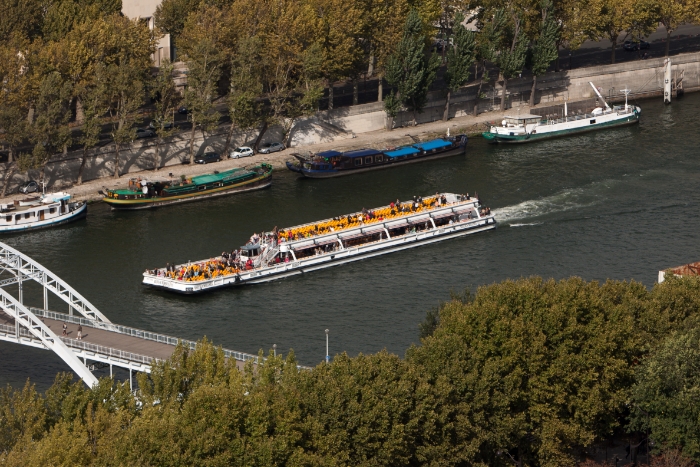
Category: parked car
[267,148]
[208,157]
[633,46]
[182,110]
[145,133]
[29,187]
[243,151]
[155,125]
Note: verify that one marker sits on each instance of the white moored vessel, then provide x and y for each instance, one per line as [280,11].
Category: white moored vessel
[527,128]
[38,213]
[319,245]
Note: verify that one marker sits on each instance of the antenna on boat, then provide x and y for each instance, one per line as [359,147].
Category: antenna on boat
[626,92]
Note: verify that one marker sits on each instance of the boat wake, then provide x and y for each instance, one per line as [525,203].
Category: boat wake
[567,200]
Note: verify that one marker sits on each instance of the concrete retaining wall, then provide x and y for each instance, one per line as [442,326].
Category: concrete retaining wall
[643,77]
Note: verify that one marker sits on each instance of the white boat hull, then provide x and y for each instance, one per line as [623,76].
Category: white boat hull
[326,260]
[76,214]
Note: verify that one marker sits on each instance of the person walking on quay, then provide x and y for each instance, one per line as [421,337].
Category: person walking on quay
[65,329]
[80,332]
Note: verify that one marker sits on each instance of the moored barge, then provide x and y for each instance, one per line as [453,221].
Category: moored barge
[309,247]
[529,128]
[49,210]
[144,194]
[328,164]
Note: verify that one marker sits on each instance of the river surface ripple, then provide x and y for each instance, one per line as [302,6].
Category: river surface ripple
[618,204]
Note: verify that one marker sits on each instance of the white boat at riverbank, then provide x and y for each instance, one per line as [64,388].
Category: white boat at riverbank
[527,128]
[319,245]
[48,210]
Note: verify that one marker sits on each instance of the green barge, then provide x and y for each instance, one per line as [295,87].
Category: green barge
[145,193]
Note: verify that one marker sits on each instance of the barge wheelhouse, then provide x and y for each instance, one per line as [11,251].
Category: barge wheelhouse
[328,164]
[144,194]
[319,245]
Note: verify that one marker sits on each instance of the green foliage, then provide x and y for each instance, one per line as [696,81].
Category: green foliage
[544,50]
[20,18]
[538,367]
[461,55]
[537,370]
[170,15]
[409,69]
[666,395]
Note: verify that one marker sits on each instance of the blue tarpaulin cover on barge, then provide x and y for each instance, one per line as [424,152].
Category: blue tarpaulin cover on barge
[402,152]
[434,144]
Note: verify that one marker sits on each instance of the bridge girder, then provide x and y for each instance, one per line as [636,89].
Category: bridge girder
[25,268]
[25,318]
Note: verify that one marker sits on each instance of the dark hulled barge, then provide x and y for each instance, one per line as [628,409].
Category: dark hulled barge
[144,194]
[328,164]
[319,245]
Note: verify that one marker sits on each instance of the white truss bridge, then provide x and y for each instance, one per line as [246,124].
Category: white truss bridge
[102,341]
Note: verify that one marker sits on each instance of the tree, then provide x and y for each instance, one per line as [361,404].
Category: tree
[609,19]
[15,97]
[50,132]
[171,15]
[536,369]
[201,45]
[244,99]
[338,28]
[459,59]
[490,36]
[672,13]
[383,26]
[666,394]
[126,93]
[20,19]
[545,49]
[94,107]
[166,99]
[409,69]
[291,75]
[511,53]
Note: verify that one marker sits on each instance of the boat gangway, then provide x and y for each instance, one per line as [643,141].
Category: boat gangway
[102,341]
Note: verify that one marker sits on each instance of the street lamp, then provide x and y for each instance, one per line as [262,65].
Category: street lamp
[328,359]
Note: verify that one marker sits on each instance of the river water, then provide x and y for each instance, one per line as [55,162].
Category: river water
[618,204]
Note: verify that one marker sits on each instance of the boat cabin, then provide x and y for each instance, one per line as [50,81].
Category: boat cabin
[30,211]
[357,159]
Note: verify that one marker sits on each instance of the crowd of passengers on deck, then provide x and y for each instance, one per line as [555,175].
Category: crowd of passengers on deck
[235,261]
[395,209]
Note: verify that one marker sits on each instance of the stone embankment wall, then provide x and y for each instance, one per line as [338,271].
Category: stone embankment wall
[643,77]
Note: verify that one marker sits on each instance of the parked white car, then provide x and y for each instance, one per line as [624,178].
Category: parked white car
[243,151]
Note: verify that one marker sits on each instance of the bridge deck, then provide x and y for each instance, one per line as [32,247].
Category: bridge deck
[110,339]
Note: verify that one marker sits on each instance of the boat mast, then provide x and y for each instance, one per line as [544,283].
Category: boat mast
[625,92]
[599,95]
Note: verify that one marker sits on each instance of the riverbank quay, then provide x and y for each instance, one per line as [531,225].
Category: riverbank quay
[364,125]
[89,190]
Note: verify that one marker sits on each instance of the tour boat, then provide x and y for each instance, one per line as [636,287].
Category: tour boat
[49,210]
[334,163]
[526,128]
[146,193]
[309,247]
